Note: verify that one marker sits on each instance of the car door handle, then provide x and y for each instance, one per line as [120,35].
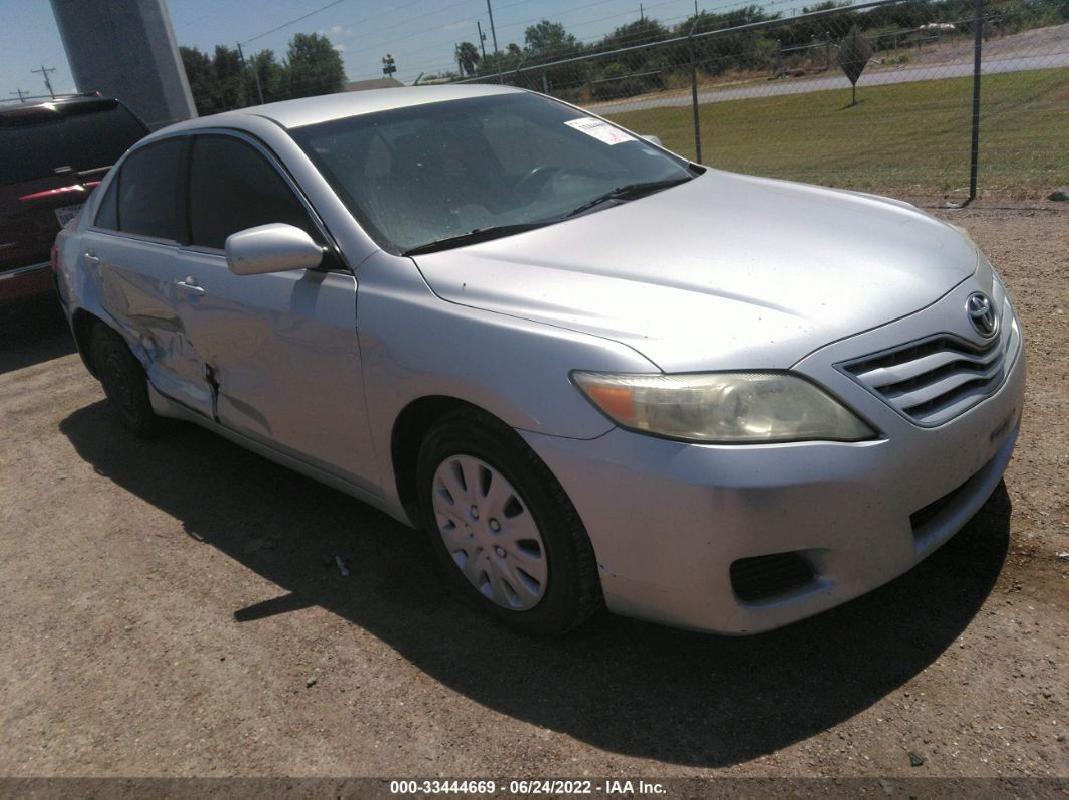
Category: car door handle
[91,257]
[190,285]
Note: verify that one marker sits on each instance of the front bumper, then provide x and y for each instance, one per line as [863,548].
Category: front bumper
[668,519]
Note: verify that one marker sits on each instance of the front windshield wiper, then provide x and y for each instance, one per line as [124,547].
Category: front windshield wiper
[632,191]
[473,237]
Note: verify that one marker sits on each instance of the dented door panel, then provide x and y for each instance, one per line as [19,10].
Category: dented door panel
[138,290]
[282,352]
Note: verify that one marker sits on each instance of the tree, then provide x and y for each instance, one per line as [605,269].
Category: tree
[549,40]
[271,75]
[641,31]
[229,87]
[313,66]
[825,5]
[511,59]
[746,50]
[467,56]
[221,82]
[217,82]
[201,77]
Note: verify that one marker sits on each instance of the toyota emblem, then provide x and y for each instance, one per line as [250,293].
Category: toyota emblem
[982,314]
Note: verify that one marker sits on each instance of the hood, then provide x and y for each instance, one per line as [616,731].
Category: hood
[723,272]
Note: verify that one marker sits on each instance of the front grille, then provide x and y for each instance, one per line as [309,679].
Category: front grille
[766,577]
[934,380]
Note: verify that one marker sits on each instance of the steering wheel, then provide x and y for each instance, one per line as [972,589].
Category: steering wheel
[533,181]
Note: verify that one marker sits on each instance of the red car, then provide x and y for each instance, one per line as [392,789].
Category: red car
[52,154]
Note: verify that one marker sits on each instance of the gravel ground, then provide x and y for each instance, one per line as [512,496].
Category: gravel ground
[173,608]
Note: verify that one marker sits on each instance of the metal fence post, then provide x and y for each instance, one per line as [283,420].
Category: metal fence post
[978,44]
[694,99]
[977,60]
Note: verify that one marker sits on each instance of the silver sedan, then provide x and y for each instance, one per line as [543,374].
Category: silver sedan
[596,374]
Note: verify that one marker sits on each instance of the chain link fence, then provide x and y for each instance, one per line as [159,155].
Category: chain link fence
[750,91]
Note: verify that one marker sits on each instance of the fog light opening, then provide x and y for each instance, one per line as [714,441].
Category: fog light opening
[763,578]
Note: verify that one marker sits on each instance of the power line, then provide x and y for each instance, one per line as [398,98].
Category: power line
[293,21]
[391,10]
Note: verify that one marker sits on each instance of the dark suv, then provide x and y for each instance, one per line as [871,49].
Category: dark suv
[52,154]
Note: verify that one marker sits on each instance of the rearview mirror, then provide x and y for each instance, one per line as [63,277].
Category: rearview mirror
[271,248]
[653,137]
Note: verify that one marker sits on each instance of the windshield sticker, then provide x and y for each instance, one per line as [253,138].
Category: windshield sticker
[600,130]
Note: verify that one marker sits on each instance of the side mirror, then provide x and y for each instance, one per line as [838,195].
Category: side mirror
[652,137]
[271,248]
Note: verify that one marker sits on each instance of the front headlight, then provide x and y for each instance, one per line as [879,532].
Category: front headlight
[723,407]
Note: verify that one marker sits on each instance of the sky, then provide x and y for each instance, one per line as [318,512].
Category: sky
[420,34]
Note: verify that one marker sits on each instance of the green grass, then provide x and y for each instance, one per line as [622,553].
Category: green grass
[905,139]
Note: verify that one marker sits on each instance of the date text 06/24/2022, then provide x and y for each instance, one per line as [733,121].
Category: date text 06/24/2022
[531,786]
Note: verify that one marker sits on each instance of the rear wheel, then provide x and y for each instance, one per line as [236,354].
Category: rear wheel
[504,530]
[124,382]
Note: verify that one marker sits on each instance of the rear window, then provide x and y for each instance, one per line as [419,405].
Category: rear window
[81,141]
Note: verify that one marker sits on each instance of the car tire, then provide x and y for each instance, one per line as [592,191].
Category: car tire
[124,382]
[544,584]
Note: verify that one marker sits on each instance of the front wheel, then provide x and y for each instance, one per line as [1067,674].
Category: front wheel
[503,528]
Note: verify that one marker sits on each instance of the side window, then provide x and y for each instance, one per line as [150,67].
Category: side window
[148,190]
[108,210]
[233,187]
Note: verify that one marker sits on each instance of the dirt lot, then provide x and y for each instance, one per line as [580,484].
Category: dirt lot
[172,608]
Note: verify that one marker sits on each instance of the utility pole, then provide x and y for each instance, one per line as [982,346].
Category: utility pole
[21,94]
[255,74]
[641,13]
[44,73]
[482,37]
[493,33]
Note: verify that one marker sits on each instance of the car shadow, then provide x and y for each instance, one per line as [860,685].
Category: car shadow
[32,331]
[617,684]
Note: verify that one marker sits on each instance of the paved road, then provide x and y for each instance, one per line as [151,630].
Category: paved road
[838,81]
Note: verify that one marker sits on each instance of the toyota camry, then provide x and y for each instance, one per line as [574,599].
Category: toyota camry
[595,373]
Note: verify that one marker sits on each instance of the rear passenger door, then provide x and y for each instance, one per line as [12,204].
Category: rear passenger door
[132,247]
[280,349]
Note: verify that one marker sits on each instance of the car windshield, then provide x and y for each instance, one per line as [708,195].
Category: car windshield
[428,176]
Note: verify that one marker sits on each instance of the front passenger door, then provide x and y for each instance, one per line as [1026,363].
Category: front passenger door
[280,349]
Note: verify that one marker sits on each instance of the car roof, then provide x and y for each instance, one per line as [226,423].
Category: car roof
[50,108]
[310,110]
